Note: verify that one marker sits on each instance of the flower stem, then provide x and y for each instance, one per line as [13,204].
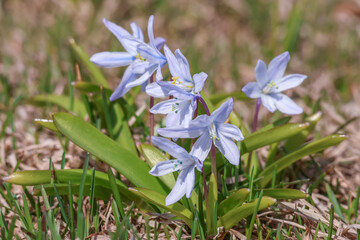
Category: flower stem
[195,115]
[151,114]
[254,125]
[212,151]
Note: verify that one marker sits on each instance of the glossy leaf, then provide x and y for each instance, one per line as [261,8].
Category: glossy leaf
[159,200]
[276,134]
[298,139]
[96,74]
[234,200]
[92,140]
[61,101]
[43,177]
[153,156]
[283,193]
[235,215]
[292,157]
[49,124]
[101,192]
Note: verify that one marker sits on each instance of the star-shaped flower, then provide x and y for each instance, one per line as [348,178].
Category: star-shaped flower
[270,82]
[184,88]
[183,162]
[143,59]
[210,129]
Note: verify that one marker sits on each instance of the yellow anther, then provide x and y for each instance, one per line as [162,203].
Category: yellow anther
[175,78]
[139,57]
[189,86]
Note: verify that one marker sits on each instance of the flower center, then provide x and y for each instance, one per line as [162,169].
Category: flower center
[175,107]
[185,85]
[140,57]
[212,131]
[267,89]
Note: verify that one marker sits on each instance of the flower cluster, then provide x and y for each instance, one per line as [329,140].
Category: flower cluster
[183,90]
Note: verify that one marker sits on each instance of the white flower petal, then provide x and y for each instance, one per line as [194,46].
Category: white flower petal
[197,127]
[268,102]
[137,32]
[151,54]
[122,87]
[222,113]
[228,148]
[170,147]
[183,65]
[164,107]
[179,188]
[156,90]
[172,62]
[202,146]
[190,181]
[277,66]
[285,105]
[159,42]
[112,59]
[289,81]
[151,30]
[199,80]
[143,78]
[261,74]
[165,167]
[230,131]
[252,90]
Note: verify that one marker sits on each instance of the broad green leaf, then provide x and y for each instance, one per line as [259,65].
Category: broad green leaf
[216,98]
[159,200]
[298,139]
[43,177]
[212,199]
[92,140]
[276,134]
[92,68]
[277,123]
[49,124]
[59,100]
[283,193]
[87,87]
[303,151]
[153,156]
[101,192]
[235,215]
[234,200]
[121,128]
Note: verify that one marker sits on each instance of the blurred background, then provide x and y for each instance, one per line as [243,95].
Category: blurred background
[222,38]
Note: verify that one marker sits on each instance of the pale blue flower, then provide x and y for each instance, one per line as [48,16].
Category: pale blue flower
[183,162]
[270,82]
[143,59]
[211,129]
[184,88]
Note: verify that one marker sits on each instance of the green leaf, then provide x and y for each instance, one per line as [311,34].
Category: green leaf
[61,101]
[334,201]
[92,140]
[38,177]
[276,134]
[235,215]
[87,87]
[101,192]
[234,200]
[159,200]
[49,124]
[153,156]
[298,139]
[277,123]
[303,151]
[212,199]
[92,68]
[283,193]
